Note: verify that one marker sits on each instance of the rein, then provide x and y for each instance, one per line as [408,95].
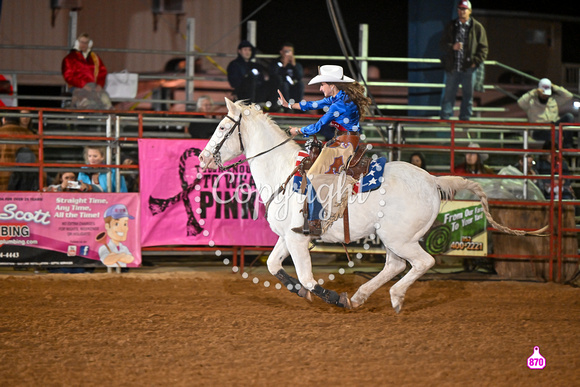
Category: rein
[216,153]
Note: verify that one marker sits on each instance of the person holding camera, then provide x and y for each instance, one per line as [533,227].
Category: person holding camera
[67,181]
[95,156]
[286,75]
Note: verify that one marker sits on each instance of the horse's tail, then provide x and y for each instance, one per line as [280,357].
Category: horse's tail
[451,184]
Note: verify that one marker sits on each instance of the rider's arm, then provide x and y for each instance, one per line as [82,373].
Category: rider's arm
[314,105]
[324,120]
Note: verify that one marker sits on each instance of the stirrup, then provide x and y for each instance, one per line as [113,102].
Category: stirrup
[314,228]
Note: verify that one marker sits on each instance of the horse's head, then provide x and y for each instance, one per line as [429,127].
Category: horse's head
[226,143]
[245,130]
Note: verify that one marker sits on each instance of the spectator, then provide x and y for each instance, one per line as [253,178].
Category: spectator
[246,77]
[21,180]
[474,163]
[94,156]
[286,75]
[464,46]
[11,126]
[205,104]
[418,159]
[132,179]
[67,181]
[26,122]
[85,74]
[542,105]
[545,168]
[203,129]
[531,165]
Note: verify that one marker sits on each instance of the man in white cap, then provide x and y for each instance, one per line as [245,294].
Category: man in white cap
[464,46]
[543,105]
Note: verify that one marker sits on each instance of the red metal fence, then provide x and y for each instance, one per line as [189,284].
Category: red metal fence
[558,230]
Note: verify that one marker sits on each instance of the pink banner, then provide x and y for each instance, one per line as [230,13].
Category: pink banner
[181,205]
[69,229]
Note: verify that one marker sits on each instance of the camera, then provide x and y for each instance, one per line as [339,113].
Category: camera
[74,185]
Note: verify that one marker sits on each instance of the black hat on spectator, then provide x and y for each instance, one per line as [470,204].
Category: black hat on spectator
[245,43]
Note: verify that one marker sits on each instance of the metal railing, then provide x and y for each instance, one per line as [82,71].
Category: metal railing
[123,129]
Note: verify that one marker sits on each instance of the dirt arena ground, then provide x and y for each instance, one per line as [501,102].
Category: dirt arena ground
[215,328]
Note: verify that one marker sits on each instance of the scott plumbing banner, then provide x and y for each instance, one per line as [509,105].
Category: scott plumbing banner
[69,229]
[181,205]
[460,229]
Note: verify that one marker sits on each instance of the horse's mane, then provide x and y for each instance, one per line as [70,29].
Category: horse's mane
[256,112]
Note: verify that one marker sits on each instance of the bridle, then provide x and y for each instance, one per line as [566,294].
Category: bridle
[216,153]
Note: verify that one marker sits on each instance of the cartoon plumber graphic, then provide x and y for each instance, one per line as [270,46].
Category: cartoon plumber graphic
[114,253]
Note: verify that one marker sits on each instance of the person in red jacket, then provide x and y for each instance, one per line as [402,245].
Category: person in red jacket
[84,69]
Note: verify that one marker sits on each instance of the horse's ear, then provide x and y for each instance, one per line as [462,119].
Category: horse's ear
[230,105]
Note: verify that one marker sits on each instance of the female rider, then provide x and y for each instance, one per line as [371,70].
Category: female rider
[345,105]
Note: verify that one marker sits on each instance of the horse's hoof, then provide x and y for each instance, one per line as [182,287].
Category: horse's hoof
[355,304]
[344,301]
[398,308]
[305,293]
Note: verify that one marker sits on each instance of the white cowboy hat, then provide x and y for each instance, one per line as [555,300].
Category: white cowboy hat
[330,73]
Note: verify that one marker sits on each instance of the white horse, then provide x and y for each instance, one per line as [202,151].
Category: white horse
[399,213]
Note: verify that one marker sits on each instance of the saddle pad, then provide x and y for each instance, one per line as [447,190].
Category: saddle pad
[371,181]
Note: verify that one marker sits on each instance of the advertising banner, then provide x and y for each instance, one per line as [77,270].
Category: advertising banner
[181,205]
[69,229]
[460,229]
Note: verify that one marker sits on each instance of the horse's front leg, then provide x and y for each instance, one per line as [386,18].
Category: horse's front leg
[298,248]
[277,256]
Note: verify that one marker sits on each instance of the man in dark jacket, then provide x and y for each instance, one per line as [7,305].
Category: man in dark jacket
[286,75]
[246,77]
[464,46]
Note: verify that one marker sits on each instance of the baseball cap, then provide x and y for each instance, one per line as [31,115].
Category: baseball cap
[546,85]
[118,211]
[464,4]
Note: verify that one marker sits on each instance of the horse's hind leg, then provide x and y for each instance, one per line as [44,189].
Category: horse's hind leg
[393,266]
[420,262]
[277,256]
